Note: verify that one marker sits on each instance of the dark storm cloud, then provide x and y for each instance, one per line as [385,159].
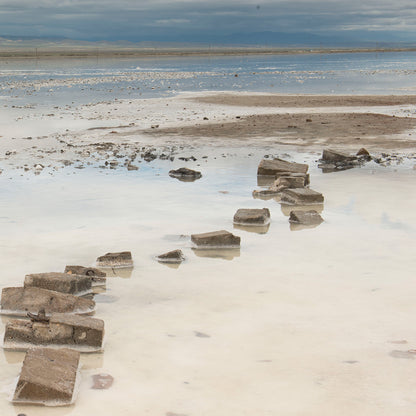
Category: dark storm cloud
[199,20]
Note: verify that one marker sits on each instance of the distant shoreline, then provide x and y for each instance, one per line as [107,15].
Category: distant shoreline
[44,53]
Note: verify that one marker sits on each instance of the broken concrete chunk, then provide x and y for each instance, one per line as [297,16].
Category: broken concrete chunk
[48,377]
[288,182]
[216,239]
[333,156]
[97,276]
[21,300]
[276,166]
[85,271]
[185,174]
[302,196]
[59,282]
[121,259]
[310,217]
[264,194]
[364,153]
[81,333]
[175,256]
[253,217]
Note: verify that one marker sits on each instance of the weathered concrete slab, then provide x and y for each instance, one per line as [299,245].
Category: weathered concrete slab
[288,182]
[334,156]
[216,239]
[275,167]
[21,300]
[185,174]
[175,256]
[255,217]
[302,196]
[60,282]
[265,194]
[85,271]
[121,259]
[81,333]
[310,217]
[48,377]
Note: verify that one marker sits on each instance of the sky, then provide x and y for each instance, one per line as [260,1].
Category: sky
[209,21]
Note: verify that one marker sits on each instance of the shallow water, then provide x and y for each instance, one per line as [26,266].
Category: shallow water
[310,322]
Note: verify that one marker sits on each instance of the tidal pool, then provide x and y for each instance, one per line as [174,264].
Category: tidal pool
[304,322]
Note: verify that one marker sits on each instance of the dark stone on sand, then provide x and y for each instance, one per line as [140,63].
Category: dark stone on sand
[121,259]
[216,239]
[21,300]
[302,196]
[277,166]
[48,377]
[59,282]
[310,217]
[72,331]
[175,256]
[245,216]
[364,152]
[102,381]
[185,174]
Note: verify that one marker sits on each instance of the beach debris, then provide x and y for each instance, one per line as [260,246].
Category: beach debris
[288,182]
[59,282]
[116,260]
[81,333]
[364,153]
[175,256]
[48,377]
[333,156]
[277,167]
[265,193]
[310,217]
[102,381]
[216,239]
[21,300]
[185,174]
[301,196]
[85,271]
[254,217]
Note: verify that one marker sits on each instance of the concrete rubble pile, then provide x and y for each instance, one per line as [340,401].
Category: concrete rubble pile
[53,329]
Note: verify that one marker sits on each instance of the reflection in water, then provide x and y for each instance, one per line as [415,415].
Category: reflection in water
[287,209]
[124,272]
[103,298]
[267,196]
[259,229]
[14,357]
[299,227]
[170,265]
[225,254]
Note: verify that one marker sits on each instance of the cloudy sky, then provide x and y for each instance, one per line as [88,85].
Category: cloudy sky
[208,20]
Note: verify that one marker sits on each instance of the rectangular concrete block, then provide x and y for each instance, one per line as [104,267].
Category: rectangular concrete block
[121,259]
[81,333]
[273,167]
[60,282]
[216,239]
[48,377]
[19,301]
[310,217]
[302,196]
[252,217]
[97,276]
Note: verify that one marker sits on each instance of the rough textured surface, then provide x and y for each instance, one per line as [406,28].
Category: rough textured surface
[62,329]
[85,271]
[252,216]
[215,239]
[310,217]
[288,182]
[333,156]
[175,256]
[185,174]
[48,377]
[19,301]
[102,381]
[121,259]
[60,282]
[277,166]
[302,196]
